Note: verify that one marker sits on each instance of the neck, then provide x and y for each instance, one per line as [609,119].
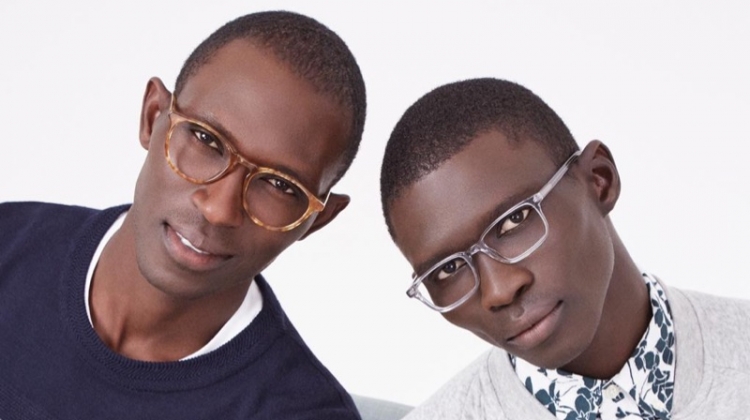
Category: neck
[625,317]
[139,321]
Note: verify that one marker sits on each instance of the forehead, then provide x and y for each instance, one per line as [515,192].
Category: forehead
[272,116]
[448,209]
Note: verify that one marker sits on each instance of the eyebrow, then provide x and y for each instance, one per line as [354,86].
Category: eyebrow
[209,120]
[485,220]
[508,203]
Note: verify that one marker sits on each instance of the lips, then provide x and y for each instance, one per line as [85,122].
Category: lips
[193,255]
[190,245]
[536,327]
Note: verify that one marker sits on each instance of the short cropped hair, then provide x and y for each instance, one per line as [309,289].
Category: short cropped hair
[312,52]
[444,121]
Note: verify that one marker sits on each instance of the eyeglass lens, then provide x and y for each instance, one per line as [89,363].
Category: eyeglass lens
[271,198]
[510,237]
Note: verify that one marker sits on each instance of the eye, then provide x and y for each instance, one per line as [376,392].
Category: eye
[448,269]
[282,185]
[208,140]
[512,221]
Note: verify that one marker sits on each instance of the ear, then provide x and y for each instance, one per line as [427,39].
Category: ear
[335,204]
[156,102]
[601,175]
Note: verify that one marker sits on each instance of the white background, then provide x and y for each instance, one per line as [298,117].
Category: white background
[664,84]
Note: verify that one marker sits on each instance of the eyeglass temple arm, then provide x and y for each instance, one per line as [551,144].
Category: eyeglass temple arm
[557,177]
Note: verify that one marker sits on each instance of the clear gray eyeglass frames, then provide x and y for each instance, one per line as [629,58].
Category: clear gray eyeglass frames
[508,239]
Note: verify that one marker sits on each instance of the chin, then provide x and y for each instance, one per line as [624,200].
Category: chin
[553,361]
[173,285]
[551,358]
[558,351]
[569,351]
[178,290]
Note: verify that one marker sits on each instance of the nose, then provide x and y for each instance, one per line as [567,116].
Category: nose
[500,284]
[221,202]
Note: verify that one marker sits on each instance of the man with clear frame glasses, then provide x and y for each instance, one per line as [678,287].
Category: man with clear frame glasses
[158,310]
[506,225]
[510,238]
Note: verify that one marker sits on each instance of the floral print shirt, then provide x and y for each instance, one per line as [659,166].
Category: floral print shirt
[641,390]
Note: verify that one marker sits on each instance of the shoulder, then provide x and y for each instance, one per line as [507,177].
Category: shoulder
[316,390]
[25,225]
[721,322]
[721,317]
[712,367]
[463,396]
[15,216]
[30,210]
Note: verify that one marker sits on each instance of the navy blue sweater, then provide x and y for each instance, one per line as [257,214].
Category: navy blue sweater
[54,366]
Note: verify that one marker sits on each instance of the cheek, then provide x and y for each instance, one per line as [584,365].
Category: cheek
[259,251]
[578,257]
[579,251]
[471,317]
[260,246]
[454,318]
[157,185]
[149,179]
[584,268]
[596,255]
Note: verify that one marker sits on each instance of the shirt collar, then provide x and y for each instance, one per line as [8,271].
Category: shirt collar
[642,389]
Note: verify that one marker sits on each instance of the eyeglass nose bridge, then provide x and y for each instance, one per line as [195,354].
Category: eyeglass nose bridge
[241,161]
[484,249]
